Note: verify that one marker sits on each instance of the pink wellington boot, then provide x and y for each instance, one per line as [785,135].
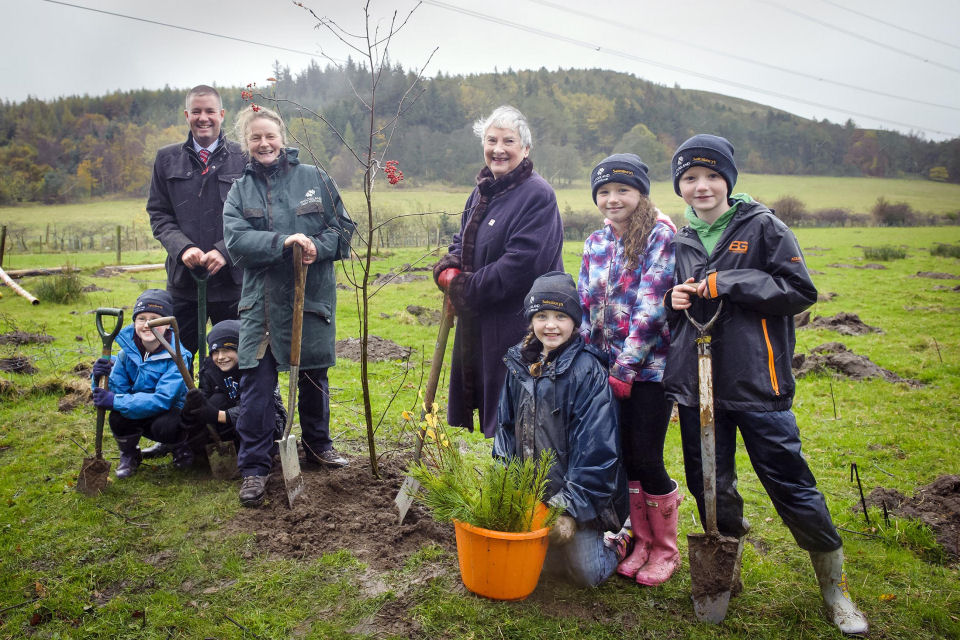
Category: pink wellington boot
[662,514]
[629,566]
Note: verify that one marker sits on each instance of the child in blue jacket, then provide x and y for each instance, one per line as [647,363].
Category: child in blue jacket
[145,389]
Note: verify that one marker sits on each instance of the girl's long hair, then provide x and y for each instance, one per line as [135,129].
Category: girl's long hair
[638,229]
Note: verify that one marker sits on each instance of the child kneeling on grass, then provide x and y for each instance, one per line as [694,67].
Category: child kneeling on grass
[736,252]
[145,389]
[556,396]
[217,400]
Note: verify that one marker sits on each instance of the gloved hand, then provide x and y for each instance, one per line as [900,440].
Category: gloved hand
[102,367]
[103,398]
[446,277]
[562,532]
[196,407]
[620,388]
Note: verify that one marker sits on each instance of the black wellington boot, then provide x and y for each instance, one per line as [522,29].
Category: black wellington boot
[129,455]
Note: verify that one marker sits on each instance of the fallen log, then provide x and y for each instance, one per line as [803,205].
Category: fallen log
[47,271]
[7,280]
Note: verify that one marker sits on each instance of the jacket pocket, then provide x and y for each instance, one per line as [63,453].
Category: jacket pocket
[310,207]
[225,182]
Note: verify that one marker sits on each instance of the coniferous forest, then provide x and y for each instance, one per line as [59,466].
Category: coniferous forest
[78,147]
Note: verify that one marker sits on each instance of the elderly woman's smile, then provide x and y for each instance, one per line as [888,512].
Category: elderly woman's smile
[503,150]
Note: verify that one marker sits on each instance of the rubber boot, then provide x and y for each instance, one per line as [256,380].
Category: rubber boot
[183,455]
[836,599]
[129,455]
[156,450]
[662,514]
[629,566]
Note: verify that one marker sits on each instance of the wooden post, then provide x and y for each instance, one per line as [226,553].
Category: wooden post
[3,242]
[17,288]
[119,229]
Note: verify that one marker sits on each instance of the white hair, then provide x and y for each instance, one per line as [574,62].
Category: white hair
[506,117]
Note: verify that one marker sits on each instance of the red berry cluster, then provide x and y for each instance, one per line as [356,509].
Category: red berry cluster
[247,96]
[394,175]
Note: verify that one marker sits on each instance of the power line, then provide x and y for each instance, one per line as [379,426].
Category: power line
[892,25]
[669,67]
[724,54]
[854,34]
[181,28]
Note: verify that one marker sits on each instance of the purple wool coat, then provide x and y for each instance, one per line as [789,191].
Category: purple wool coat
[510,234]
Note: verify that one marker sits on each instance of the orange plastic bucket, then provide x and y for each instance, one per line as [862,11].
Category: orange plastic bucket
[500,565]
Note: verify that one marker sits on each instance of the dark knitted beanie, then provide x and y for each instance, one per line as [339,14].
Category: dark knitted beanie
[626,168]
[705,150]
[554,291]
[154,300]
[224,335]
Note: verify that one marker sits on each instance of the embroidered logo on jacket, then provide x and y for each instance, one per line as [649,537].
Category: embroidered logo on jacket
[738,246]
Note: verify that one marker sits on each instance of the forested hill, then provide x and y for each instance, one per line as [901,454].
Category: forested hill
[73,148]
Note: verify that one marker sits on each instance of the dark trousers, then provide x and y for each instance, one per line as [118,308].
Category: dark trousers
[255,426]
[644,418]
[163,427]
[772,440]
[187,315]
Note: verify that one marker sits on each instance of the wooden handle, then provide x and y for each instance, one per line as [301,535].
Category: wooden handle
[300,282]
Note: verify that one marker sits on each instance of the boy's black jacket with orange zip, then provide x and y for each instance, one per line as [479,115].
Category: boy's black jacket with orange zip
[758,269]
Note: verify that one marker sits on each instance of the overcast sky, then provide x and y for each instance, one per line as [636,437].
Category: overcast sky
[884,63]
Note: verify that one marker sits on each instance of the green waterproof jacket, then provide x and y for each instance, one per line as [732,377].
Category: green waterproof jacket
[263,208]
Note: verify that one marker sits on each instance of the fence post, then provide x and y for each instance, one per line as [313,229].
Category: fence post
[119,229]
[3,242]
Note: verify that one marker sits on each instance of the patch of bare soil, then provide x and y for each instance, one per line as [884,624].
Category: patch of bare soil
[834,357]
[92,288]
[23,337]
[423,315]
[344,508]
[816,249]
[17,364]
[936,275]
[847,324]
[826,296]
[937,505]
[395,278]
[378,349]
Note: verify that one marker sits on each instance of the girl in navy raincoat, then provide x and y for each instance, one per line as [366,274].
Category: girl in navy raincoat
[556,397]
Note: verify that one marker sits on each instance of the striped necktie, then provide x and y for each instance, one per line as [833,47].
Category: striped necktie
[204,155]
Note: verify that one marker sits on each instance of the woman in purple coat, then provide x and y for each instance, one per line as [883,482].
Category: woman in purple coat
[510,234]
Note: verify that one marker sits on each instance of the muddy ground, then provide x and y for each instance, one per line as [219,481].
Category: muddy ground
[847,324]
[344,508]
[23,337]
[835,358]
[937,505]
[378,349]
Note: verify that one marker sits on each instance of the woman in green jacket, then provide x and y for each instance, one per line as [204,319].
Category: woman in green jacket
[277,203]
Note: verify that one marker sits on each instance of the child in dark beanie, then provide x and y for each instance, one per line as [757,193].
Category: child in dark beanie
[216,401]
[627,268]
[145,389]
[556,397]
[736,252]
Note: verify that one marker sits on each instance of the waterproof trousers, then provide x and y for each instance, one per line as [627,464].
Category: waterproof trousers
[772,440]
[185,311]
[257,420]
[163,427]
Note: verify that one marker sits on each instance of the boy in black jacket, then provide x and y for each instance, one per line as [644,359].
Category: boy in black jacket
[217,400]
[736,251]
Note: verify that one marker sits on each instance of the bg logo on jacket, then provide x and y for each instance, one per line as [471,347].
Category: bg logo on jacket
[739,246]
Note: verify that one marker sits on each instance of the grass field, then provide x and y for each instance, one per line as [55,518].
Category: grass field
[817,192]
[147,560]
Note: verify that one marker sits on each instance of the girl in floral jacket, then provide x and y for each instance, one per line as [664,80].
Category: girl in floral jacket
[627,268]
